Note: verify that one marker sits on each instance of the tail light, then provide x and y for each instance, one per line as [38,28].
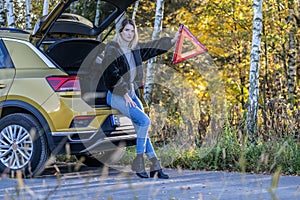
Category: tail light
[64,83]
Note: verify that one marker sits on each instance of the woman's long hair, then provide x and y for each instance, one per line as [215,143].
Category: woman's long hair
[118,38]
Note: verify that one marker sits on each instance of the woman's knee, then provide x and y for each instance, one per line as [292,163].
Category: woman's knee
[141,120]
[146,121]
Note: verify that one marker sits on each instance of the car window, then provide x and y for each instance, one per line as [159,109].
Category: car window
[94,11]
[5,61]
[91,13]
[23,55]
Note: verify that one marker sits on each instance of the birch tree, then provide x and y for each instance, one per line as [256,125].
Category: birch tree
[73,7]
[45,7]
[83,8]
[2,13]
[151,63]
[10,14]
[254,68]
[97,16]
[136,6]
[28,7]
[292,56]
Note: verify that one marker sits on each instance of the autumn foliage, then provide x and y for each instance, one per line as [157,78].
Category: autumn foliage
[220,79]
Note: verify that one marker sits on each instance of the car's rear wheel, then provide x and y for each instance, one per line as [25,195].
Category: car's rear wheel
[23,146]
[102,158]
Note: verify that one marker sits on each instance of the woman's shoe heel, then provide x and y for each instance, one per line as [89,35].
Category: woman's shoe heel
[138,166]
[159,174]
[156,170]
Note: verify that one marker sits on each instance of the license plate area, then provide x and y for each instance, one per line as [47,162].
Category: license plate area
[115,120]
[121,122]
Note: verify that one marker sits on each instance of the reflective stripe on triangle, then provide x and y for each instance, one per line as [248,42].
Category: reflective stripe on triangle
[198,48]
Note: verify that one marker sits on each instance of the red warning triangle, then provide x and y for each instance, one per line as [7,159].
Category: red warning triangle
[197,49]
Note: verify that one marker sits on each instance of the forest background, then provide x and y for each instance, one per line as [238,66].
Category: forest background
[225,29]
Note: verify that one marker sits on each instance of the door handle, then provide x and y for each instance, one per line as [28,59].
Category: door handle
[2,86]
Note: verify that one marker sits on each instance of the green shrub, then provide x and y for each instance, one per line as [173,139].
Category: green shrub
[234,154]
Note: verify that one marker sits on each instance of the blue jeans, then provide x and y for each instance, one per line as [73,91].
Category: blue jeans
[139,118]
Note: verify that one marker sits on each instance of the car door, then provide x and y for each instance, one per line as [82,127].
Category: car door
[7,72]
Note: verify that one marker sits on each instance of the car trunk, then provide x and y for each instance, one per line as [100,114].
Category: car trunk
[74,40]
[82,57]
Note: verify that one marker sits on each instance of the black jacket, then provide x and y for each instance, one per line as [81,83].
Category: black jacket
[116,76]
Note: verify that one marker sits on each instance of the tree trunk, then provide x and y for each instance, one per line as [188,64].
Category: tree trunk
[83,9]
[45,7]
[10,14]
[297,89]
[136,6]
[97,16]
[151,63]
[73,8]
[254,68]
[292,56]
[2,13]
[27,13]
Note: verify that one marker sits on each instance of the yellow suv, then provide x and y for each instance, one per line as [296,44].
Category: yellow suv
[51,102]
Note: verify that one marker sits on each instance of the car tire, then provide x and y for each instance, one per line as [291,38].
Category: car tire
[102,158]
[23,146]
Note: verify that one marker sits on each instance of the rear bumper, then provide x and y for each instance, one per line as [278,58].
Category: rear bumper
[91,142]
[110,143]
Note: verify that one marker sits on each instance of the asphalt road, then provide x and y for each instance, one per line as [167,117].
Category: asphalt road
[120,183]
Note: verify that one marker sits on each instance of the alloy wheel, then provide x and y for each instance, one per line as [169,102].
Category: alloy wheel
[16,146]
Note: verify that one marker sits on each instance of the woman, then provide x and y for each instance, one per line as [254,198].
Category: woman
[123,76]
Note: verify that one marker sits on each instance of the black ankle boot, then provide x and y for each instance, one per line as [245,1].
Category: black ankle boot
[138,166]
[156,170]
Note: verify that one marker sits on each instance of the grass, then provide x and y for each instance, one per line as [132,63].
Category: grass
[233,153]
